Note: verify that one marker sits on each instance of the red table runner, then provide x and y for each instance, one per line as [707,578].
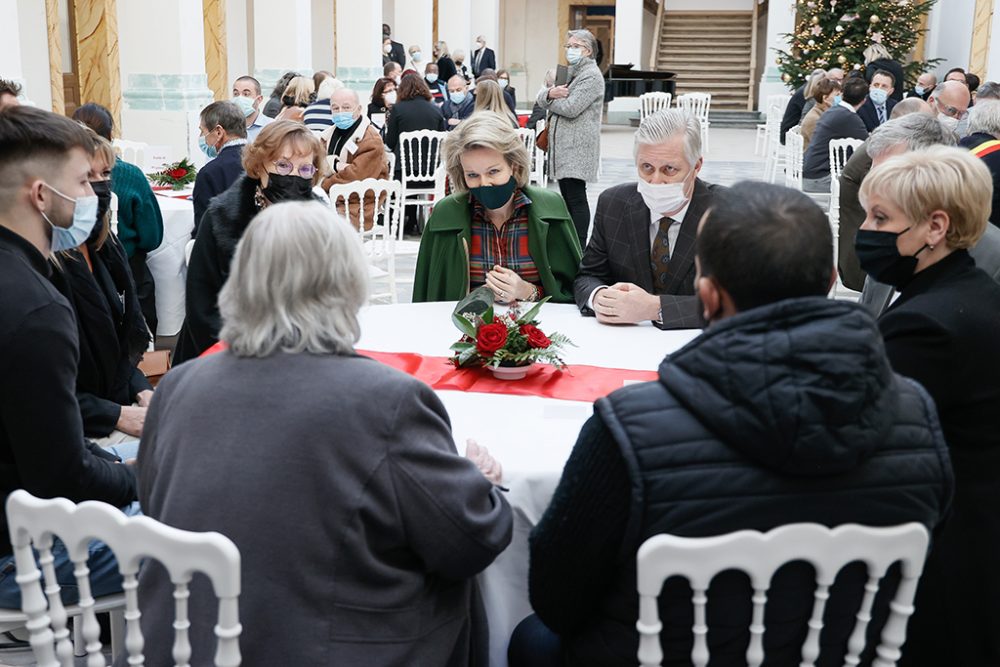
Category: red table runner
[578,382]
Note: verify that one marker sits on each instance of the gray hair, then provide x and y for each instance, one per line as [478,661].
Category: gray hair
[550,77]
[988,91]
[915,131]
[227,115]
[985,117]
[329,86]
[587,38]
[660,126]
[298,279]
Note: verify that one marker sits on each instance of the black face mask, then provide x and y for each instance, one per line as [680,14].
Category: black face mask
[287,188]
[879,257]
[103,191]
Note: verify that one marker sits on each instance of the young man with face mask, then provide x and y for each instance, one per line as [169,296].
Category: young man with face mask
[877,108]
[784,410]
[247,96]
[46,205]
[639,263]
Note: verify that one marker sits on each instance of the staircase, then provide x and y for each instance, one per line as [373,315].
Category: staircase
[710,53]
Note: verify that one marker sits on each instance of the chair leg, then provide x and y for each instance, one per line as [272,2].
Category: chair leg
[79,643]
[117,633]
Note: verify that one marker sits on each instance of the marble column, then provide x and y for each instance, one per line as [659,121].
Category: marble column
[780,20]
[628,49]
[455,26]
[163,64]
[992,72]
[413,23]
[54,47]
[216,63]
[283,38]
[97,57]
[359,45]
[11,65]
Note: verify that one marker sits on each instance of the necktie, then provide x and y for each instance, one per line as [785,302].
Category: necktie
[881,114]
[659,256]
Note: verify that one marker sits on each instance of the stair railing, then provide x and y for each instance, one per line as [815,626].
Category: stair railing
[752,88]
[654,53]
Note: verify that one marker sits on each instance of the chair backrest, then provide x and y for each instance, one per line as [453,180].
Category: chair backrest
[840,152]
[131,151]
[420,153]
[794,149]
[390,158]
[776,105]
[650,103]
[696,103]
[114,214]
[131,539]
[387,211]
[760,555]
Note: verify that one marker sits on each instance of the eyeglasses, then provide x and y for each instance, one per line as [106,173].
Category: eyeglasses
[337,109]
[951,111]
[284,168]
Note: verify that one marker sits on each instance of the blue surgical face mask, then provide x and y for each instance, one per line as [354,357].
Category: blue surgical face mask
[343,120]
[878,96]
[84,219]
[837,99]
[417,56]
[503,83]
[432,77]
[245,104]
[919,90]
[573,55]
[209,151]
[457,97]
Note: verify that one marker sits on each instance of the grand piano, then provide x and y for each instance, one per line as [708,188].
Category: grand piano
[623,81]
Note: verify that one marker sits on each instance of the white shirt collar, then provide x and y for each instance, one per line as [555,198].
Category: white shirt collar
[848,106]
[654,218]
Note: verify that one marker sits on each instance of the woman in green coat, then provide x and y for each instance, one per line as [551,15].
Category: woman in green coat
[495,230]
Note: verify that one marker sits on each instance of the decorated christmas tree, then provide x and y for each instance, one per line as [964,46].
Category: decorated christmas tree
[835,33]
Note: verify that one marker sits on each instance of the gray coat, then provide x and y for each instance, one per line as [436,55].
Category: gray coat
[575,124]
[360,528]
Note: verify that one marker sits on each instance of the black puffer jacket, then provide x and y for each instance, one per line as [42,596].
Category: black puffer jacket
[785,413]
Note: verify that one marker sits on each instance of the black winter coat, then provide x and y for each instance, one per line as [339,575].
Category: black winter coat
[784,413]
[215,178]
[112,331]
[942,331]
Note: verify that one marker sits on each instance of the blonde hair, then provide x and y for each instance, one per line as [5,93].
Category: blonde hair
[298,279]
[267,147]
[489,97]
[484,129]
[876,51]
[814,78]
[939,178]
[442,48]
[301,88]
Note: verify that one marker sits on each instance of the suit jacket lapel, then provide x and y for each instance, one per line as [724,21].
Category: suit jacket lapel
[636,219]
[682,254]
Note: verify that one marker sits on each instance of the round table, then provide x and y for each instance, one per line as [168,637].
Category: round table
[167,263]
[537,434]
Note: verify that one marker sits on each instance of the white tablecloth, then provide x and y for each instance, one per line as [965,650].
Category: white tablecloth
[532,464]
[167,264]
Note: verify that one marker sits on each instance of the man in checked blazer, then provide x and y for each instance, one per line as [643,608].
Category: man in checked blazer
[639,263]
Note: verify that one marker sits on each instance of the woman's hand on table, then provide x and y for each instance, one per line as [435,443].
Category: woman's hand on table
[489,466]
[508,286]
[131,420]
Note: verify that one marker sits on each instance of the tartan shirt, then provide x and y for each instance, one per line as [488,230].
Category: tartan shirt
[507,247]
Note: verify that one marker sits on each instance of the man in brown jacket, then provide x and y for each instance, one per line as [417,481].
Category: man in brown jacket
[354,152]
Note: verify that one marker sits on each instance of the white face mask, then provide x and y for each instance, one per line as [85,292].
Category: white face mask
[390,98]
[663,198]
[387,48]
[503,83]
[948,123]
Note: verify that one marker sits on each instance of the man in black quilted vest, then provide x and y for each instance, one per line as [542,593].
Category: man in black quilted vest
[784,410]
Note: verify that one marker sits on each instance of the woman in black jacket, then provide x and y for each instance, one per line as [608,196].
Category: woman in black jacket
[284,163]
[96,280]
[925,209]
[414,111]
[446,66]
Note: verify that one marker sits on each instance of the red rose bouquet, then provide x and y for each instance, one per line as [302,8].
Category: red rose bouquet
[510,339]
[178,175]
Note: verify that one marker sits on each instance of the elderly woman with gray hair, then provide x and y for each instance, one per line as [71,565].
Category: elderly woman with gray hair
[574,126]
[359,526]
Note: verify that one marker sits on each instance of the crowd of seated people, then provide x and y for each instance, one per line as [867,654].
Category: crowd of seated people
[789,406]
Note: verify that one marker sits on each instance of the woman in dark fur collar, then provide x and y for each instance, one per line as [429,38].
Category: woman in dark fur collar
[96,280]
[284,163]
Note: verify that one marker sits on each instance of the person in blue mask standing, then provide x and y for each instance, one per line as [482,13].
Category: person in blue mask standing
[223,134]
[354,151]
[495,230]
